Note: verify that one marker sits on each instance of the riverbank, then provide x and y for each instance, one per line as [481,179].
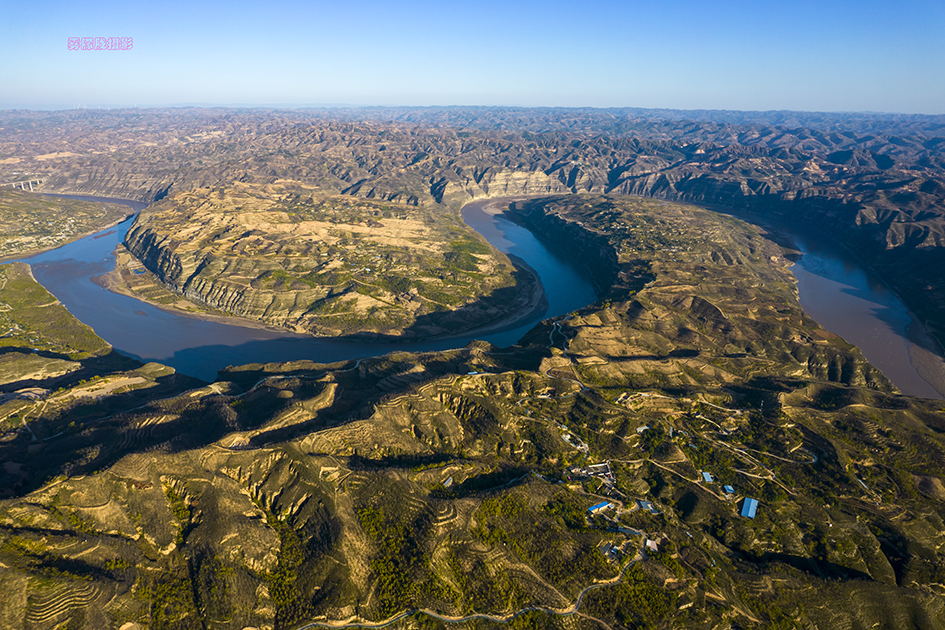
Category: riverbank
[531,303]
[132,279]
[22,256]
[924,352]
[113,281]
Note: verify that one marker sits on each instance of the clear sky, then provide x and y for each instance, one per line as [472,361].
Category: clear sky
[832,55]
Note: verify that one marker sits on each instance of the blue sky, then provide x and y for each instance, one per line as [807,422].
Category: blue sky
[725,54]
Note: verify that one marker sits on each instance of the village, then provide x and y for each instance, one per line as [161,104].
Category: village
[600,481]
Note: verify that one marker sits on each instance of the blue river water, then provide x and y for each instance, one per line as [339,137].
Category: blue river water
[200,347]
[834,288]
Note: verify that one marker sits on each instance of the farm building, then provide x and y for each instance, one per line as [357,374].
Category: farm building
[749,507]
[600,507]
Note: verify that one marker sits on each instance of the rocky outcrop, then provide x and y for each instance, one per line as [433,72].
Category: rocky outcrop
[590,251]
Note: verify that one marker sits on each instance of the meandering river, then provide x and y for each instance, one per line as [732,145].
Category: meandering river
[851,301]
[834,289]
[200,347]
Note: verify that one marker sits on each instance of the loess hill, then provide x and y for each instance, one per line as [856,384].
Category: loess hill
[875,182]
[286,256]
[429,488]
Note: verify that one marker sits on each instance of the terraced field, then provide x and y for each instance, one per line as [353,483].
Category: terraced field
[452,489]
[289,256]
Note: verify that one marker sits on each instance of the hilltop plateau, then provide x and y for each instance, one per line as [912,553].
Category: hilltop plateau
[329,265]
[454,489]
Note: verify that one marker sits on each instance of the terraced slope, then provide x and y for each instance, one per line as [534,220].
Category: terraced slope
[428,488]
[331,266]
[58,380]
[875,182]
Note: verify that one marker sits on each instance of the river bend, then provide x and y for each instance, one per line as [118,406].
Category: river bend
[835,290]
[200,347]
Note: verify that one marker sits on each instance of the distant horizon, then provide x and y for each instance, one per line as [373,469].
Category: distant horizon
[734,55]
[318,106]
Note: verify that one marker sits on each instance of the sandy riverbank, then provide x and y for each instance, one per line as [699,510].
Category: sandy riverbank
[113,282]
[531,304]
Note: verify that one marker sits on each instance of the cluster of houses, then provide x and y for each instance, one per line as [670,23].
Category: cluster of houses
[612,551]
[600,471]
[749,505]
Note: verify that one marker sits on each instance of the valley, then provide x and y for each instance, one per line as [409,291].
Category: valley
[594,474]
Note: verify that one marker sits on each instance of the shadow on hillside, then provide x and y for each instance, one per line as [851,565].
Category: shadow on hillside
[506,308]
[89,367]
[59,441]
[93,435]
[824,569]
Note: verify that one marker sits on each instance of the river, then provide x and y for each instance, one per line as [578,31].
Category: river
[835,290]
[200,347]
[847,299]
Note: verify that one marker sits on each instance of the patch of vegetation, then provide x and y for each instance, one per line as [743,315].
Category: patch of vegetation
[30,222]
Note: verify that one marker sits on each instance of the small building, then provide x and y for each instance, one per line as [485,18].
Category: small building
[643,428]
[600,507]
[728,489]
[647,505]
[626,530]
[707,477]
[448,482]
[749,506]
[609,550]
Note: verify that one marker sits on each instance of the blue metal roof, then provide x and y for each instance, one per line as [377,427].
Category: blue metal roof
[599,506]
[729,489]
[707,477]
[749,507]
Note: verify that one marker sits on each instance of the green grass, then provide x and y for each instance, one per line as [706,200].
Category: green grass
[35,320]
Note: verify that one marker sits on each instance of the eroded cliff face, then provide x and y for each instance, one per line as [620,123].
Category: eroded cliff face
[876,183]
[683,281]
[591,251]
[329,266]
[283,494]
